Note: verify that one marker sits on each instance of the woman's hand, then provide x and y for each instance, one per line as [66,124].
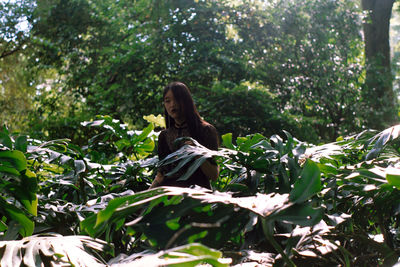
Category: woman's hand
[209,169]
[189,142]
[157,181]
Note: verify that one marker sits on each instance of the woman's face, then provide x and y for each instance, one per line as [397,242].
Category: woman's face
[173,108]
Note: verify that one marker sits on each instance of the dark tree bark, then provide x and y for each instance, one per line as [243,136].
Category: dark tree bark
[381,102]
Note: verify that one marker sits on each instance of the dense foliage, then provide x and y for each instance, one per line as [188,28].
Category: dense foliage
[260,71]
[277,200]
[300,61]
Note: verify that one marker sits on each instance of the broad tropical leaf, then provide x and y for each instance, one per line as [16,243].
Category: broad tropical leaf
[171,215]
[52,250]
[187,255]
[18,185]
[308,184]
[381,140]
[191,153]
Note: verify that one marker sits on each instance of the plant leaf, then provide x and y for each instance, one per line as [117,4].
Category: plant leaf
[187,256]
[15,157]
[227,141]
[308,184]
[5,140]
[19,216]
[51,250]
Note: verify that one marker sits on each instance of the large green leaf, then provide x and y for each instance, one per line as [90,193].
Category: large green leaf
[97,223]
[21,143]
[303,215]
[382,139]
[16,214]
[156,221]
[245,143]
[15,157]
[5,140]
[191,153]
[52,250]
[393,177]
[23,189]
[27,198]
[187,256]
[227,141]
[308,184]
[7,168]
[143,135]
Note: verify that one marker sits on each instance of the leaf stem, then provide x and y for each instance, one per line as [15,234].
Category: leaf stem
[280,250]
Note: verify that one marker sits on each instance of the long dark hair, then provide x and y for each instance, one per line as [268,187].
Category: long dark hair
[192,117]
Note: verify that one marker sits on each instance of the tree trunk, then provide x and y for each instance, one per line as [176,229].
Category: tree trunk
[381,102]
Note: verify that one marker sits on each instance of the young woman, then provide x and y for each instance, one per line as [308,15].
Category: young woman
[182,119]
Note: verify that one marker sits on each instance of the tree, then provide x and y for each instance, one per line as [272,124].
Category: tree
[101,53]
[15,91]
[16,95]
[14,35]
[117,58]
[121,54]
[379,98]
[309,54]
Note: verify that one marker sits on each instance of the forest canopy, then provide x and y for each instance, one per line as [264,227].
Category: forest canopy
[253,66]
